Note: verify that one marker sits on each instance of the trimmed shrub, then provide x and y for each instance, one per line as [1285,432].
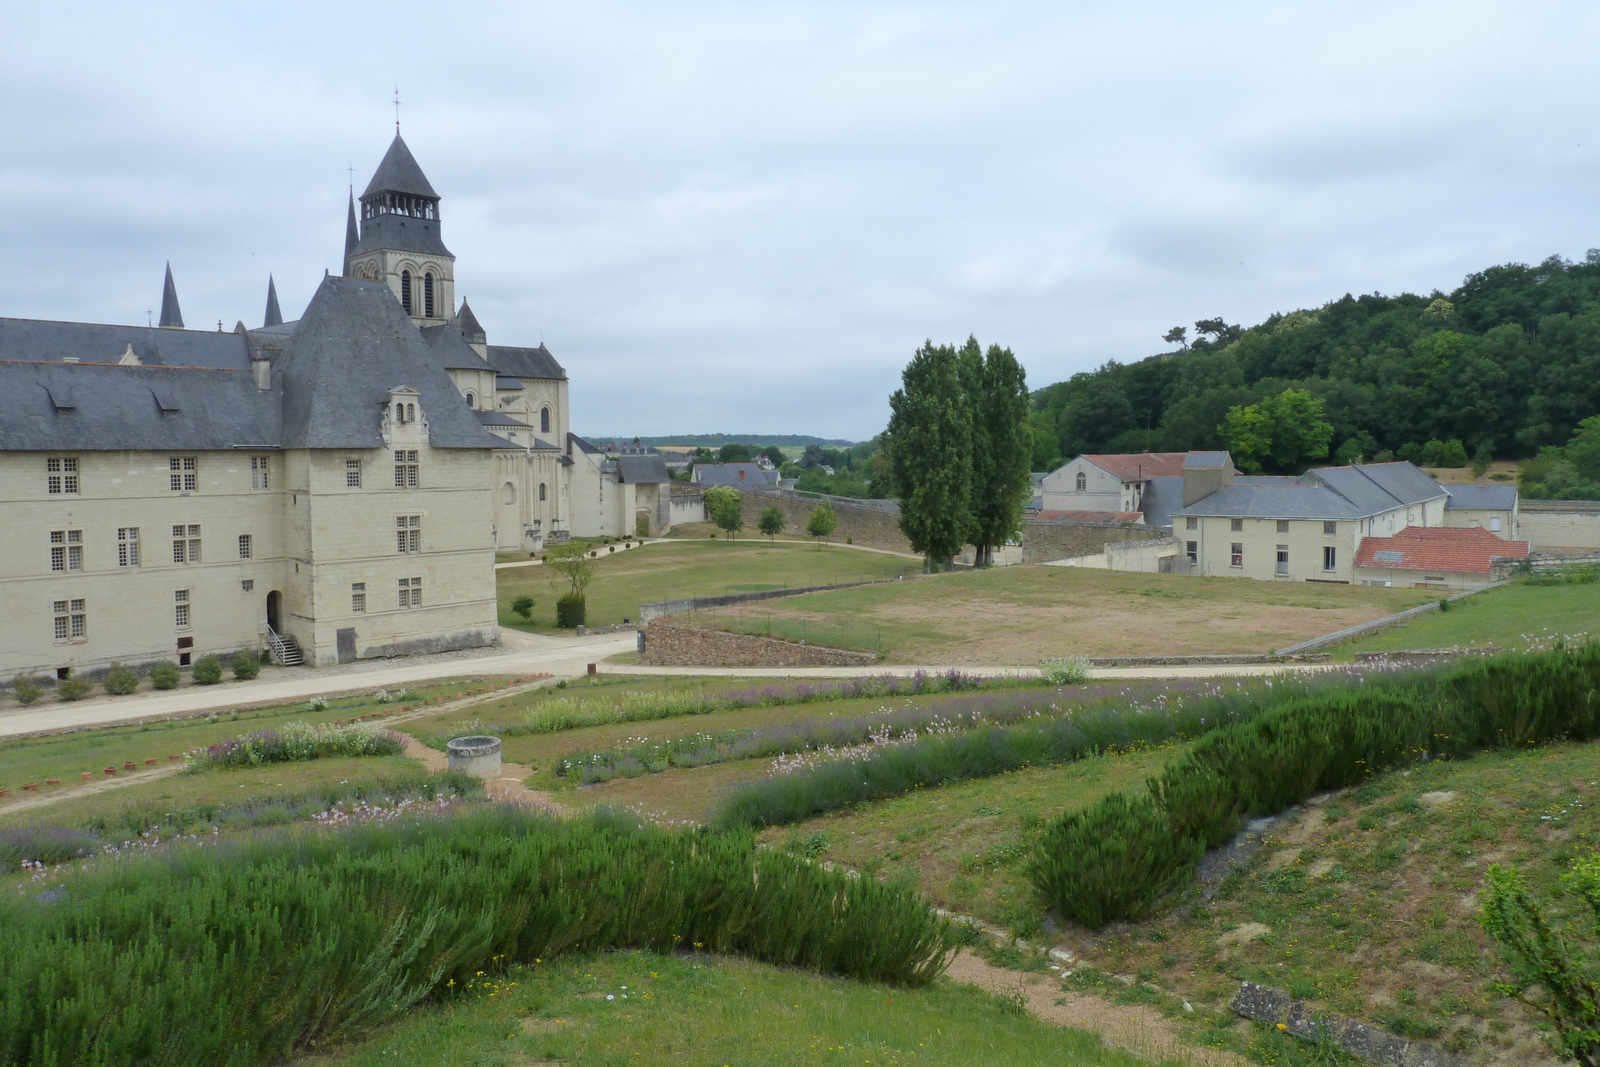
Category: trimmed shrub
[252,950]
[71,688]
[207,670]
[570,611]
[165,675]
[1117,860]
[523,605]
[246,664]
[26,688]
[1065,670]
[120,681]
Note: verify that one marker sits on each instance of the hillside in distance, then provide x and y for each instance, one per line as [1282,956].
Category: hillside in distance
[1509,360]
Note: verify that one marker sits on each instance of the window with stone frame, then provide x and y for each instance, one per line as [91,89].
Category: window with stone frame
[408,533]
[127,546]
[352,474]
[1191,523]
[1238,525]
[358,597]
[410,590]
[61,474]
[180,608]
[186,544]
[1330,529]
[71,620]
[246,546]
[183,474]
[66,550]
[261,472]
[406,468]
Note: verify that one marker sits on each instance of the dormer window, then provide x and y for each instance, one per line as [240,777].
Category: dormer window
[405,290]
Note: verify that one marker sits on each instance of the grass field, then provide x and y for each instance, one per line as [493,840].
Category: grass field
[1020,615]
[638,1008]
[675,570]
[1509,617]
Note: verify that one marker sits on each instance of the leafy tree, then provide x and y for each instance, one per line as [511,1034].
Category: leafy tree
[811,457]
[772,522]
[1217,332]
[821,523]
[571,561]
[1285,430]
[734,454]
[930,447]
[1178,335]
[996,391]
[725,507]
[1481,458]
[523,605]
[1549,973]
[774,455]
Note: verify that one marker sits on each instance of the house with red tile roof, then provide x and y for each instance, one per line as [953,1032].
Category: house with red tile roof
[1435,557]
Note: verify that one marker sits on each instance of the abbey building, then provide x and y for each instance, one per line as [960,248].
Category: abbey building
[333,487]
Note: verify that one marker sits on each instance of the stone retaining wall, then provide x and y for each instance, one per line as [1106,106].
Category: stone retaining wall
[1046,541]
[666,645]
[862,525]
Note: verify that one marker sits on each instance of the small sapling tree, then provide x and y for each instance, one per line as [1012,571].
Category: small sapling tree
[573,563]
[821,523]
[725,507]
[523,605]
[772,522]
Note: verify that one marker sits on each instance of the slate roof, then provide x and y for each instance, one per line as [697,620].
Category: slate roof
[506,382]
[496,418]
[1137,466]
[469,326]
[525,362]
[1323,493]
[399,173]
[1162,496]
[402,233]
[738,475]
[114,408]
[643,470]
[1481,497]
[353,345]
[451,349]
[38,339]
[1378,486]
[1444,549]
[1205,459]
[573,440]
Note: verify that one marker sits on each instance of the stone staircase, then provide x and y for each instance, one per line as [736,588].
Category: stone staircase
[285,649]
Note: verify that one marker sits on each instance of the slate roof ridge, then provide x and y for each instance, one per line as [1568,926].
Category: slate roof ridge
[122,366]
[399,172]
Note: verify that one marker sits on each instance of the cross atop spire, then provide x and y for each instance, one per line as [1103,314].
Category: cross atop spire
[170,315]
[397,111]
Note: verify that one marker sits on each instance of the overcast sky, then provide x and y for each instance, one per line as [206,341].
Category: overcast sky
[745,217]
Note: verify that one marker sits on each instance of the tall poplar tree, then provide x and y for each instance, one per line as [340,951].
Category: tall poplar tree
[930,454]
[1002,446]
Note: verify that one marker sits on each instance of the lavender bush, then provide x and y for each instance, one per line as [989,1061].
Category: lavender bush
[297,741]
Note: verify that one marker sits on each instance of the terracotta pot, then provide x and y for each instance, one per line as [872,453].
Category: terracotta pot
[111,772]
[31,786]
[129,765]
[149,761]
[52,781]
[88,775]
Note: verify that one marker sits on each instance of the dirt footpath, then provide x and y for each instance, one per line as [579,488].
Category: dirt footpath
[507,788]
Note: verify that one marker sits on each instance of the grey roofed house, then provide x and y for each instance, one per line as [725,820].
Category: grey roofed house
[1322,493]
[525,362]
[737,475]
[643,469]
[1481,498]
[93,407]
[352,346]
[38,339]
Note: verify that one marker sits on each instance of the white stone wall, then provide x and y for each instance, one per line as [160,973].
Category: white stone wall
[1214,538]
[1502,523]
[1102,490]
[1559,529]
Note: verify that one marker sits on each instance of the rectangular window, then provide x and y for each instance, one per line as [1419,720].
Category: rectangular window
[186,544]
[405,468]
[61,475]
[1330,558]
[66,550]
[408,533]
[183,474]
[244,546]
[248,585]
[127,546]
[1192,548]
[1236,555]
[261,472]
[1494,524]
[180,613]
[1283,560]
[1330,529]
[411,592]
[1238,526]
[358,597]
[1191,523]
[1283,525]
[352,473]
[71,620]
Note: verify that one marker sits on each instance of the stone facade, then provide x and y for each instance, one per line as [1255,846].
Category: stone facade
[666,645]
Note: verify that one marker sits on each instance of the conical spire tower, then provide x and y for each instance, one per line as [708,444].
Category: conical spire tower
[399,241]
[352,232]
[170,314]
[273,317]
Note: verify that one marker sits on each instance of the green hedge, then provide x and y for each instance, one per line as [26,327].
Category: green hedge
[1294,751]
[571,611]
[252,951]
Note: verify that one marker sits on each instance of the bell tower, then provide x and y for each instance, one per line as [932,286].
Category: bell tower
[398,242]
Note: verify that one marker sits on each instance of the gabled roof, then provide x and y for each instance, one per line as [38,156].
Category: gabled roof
[399,173]
[1206,459]
[525,362]
[352,346]
[1137,466]
[1274,502]
[1446,549]
[1481,497]
[87,342]
[451,349]
[574,441]
[1323,493]
[738,475]
[643,470]
[1378,486]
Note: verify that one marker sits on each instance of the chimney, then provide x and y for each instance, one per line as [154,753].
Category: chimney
[262,369]
[1204,473]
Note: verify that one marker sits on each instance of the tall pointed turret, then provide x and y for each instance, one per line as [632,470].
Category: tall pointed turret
[170,315]
[399,243]
[274,317]
[352,233]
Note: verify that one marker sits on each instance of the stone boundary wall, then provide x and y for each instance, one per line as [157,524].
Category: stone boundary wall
[647,612]
[666,645]
[888,507]
[1043,542]
[863,526]
[1559,523]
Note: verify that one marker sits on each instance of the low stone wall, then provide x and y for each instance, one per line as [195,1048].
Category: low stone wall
[1043,542]
[666,645]
[862,525]
[1554,524]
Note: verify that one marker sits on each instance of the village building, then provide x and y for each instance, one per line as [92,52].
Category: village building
[334,487]
[1447,558]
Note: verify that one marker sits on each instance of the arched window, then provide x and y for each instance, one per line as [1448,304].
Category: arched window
[541,490]
[405,290]
[472,400]
[399,413]
[427,295]
[411,413]
[508,494]
[1083,481]
[544,420]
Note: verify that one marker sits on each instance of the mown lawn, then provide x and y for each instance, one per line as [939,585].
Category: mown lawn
[1020,615]
[639,1008]
[1510,617]
[676,570]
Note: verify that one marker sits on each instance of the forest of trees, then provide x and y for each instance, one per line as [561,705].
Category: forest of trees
[1507,364]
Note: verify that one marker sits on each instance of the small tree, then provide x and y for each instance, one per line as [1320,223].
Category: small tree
[523,605]
[120,681]
[725,507]
[165,675]
[246,664]
[572,562]
[1481,458]
[207,670]
[821,523]
[26,687]
[772,522]
[72,688]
